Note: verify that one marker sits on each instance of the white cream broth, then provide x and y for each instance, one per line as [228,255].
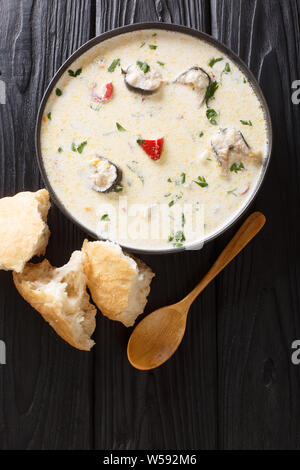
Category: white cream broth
[75,129]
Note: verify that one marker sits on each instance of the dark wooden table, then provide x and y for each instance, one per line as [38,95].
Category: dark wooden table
[232,384]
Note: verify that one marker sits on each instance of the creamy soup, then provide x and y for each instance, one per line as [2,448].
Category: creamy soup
[154,139]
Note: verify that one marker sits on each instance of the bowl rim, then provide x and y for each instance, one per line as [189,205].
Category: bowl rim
[167,27]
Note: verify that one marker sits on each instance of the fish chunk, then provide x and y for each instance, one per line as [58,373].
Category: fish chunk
[227,141]
[197,78]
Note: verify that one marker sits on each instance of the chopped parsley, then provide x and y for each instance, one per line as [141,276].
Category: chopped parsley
[135,170]
[152,46]
[213,61]
[140,141]
[74,74]
[105,217]
[201,181]
[154,34]
[237,167]
[169,180]
[49,116]
[114,65]
[244,80]
[167,194]
[79,148]
[182,220]
[246,123]
[58,92]
[232,192]
[117,189]
[201,134]
[143,66]
[60,149]
[227,68]
[183,177]
[210,91]
[160,63]
[171,203]
[212,115]
[179,236]
[142,45]
[120,128]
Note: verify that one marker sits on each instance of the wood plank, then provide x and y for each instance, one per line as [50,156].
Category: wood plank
[258,294]
[173,407]
[46,385]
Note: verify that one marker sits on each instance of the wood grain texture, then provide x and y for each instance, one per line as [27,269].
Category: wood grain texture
[258,296]
[173,407]
[46,386]
[111,14]
[231,384]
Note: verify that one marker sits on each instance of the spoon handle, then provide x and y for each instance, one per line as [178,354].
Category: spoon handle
[252,225]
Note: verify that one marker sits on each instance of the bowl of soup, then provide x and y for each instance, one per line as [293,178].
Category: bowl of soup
[154,136]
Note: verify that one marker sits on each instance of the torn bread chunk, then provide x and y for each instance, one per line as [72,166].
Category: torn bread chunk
[119,284]
[60,296]
[24,232]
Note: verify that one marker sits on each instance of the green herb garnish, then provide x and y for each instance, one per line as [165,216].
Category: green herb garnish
[142,45]
[79,148]
[183,176]
[113,65]
[227,68]
[120,128]
[49,116]
[143,66]
[169,180]
[201,181]
[152,46]
[58,92]
[213,61]
[201,134]
[179,236]
[210,91]
[212,115]
[140,141]
[60,149]
[182,220]
[246,123]
[160,63]
[237,167]
[74,74]
[105,217]
[171,203]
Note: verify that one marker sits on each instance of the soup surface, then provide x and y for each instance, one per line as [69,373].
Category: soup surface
[154,139]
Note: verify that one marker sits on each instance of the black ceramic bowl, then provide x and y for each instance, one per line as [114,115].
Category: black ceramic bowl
[169,27]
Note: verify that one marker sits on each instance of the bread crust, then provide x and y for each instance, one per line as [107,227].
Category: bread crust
[51,308]
[24,232]
[110,275]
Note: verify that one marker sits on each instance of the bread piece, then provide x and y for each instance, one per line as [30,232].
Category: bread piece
[60,295]
[24,232]
[119,284]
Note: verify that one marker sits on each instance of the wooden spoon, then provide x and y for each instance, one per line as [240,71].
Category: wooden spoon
[155,339]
